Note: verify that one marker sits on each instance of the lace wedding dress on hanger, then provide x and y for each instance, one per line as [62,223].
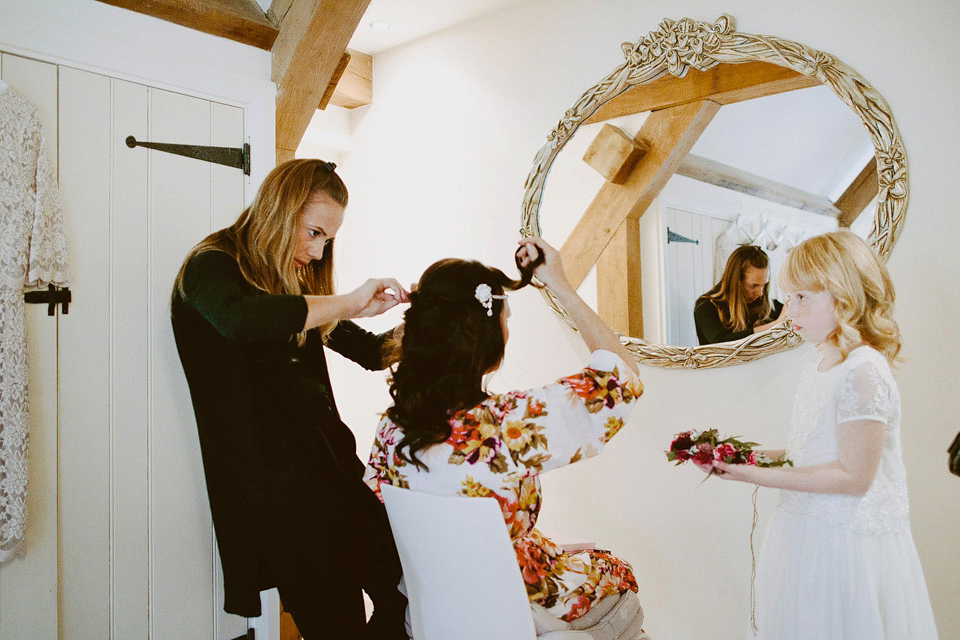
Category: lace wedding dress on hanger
[33,253]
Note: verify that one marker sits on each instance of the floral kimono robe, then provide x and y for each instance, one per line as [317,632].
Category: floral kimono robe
[499,447]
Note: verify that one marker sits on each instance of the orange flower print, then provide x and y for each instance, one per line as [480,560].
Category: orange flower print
[476,442]
[578,607]
[601,389]
[582,386]
[535,408]
[534,564]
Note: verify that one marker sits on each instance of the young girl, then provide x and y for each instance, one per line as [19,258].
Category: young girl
[446,435]
[838,559]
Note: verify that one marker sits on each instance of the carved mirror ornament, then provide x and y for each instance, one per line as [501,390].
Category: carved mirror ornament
[673,49]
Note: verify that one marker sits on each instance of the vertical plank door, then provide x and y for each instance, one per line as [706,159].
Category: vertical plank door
[689,270]
[119,539]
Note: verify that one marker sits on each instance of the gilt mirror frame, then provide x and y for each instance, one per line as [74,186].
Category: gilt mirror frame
[674,48]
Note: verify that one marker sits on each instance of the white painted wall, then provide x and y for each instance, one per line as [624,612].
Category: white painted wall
[437,168]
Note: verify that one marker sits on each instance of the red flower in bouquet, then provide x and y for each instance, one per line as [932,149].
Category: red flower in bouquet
[706,446]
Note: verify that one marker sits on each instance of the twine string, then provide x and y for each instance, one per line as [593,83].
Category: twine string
[753,567]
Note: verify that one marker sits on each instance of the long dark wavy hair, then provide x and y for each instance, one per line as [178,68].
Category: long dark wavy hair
[449,343]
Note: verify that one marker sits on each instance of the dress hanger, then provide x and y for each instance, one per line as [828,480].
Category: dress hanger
[781,240]
[746,237]
[769,243]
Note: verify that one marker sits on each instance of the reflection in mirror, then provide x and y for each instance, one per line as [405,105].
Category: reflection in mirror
[766,171]
[706,138]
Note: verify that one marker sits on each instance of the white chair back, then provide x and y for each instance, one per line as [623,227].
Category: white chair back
[459,567]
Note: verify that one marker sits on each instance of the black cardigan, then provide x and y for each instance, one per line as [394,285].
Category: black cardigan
[283,478]
[710,329]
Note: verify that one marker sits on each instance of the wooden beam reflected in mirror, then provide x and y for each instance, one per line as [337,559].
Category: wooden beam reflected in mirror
[619,282]
[858,195]
[614,153]
[722,175]
[721,84]
[668,134]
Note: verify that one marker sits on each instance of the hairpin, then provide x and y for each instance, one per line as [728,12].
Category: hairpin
[330,166]
[485,296]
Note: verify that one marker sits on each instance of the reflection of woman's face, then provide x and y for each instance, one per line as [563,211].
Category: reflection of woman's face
[754,280]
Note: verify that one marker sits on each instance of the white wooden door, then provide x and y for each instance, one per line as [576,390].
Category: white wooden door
[122,538]
[688,269]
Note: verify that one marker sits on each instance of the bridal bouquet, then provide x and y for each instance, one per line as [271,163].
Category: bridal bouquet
[706,446]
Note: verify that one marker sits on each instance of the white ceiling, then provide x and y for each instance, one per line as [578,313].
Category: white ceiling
[413,19]
[807,139]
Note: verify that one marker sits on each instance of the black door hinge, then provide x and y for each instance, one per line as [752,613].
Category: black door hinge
[239,158]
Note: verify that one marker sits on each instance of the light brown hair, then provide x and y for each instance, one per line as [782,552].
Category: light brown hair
[729,295]
[844,265]
[263,240]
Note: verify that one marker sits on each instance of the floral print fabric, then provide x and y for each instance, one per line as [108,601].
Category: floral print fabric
[499,448]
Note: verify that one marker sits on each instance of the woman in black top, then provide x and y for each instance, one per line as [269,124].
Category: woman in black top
[252,309]
[739,305]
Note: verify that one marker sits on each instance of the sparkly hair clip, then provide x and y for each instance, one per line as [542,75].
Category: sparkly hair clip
[485,296]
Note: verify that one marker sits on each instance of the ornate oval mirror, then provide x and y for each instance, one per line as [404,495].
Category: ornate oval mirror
[641,123]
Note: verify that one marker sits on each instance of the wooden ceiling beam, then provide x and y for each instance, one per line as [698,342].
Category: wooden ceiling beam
[669,134]
[859,194]
[723,175]
[313,38]
[335,79]
[355,86]
[723,84]
[239,20]
[278,10]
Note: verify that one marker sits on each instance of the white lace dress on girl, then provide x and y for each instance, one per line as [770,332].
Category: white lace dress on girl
[836,567]
[33,253]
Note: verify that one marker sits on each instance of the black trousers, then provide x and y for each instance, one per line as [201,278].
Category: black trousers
[323,593]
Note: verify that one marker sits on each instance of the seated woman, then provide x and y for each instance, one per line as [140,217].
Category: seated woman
[739,305]
[446,435]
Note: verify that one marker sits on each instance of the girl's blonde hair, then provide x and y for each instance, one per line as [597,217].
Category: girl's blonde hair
[729,295]
[844,265]
[264,238]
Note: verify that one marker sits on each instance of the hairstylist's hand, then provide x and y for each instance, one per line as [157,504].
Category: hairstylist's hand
[551,271]
[377,295]
[769,325]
